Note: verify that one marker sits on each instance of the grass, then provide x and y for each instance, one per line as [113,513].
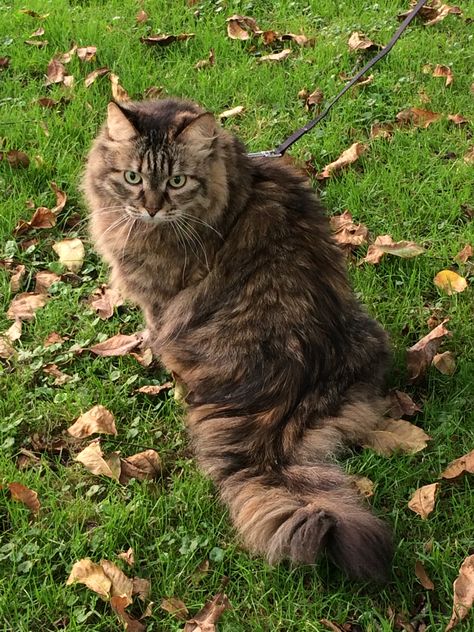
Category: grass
[415,186]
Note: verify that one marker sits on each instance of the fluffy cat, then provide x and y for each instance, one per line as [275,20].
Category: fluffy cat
[246,299]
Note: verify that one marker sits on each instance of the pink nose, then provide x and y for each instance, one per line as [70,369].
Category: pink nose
[152,211]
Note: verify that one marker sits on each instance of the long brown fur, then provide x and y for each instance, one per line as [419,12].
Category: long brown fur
[246,299]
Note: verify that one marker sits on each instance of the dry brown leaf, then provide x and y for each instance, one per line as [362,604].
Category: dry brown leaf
[95,74]
[423,576]
[241,27]
[37,43]
[154,389]
[421,354]
[445,362]
[144,466]
[24,495]
[359,41]
[86,53]
[118,345]
[283,54]
[13,332]
[300,39]
[445,72]
[6,350]
[127,556]
[141,588]
[65,58]
[364,485]
[346,158]
[457,119]
[463,589]
[346,232]
[71,253]
[24,305]
[423,500]
[331,626]
[97,419]
[15,158]
[460,466]
[384,244]
[397,435]
[165,40]
[145,358]
[417,117]
[118,92]
[469,156]
[120,584]
[92,459]
[33,14]
[17,277]
[91,575]
[43,217]
[315,98]
[60,378]
[118,606]
[104,300]
[142,16]
[55,73]
[44,280]
[205,63]
[53,338]
[208,616]
[401,404]
[450,282]
[442,11]
[175,607]
[233,112]
[4,62]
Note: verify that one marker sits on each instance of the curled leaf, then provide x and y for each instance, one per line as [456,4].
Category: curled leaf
[401,404]
[423,500]
[95,74]
[97,419]
[175,607]
[283,54]
[92,459]
[24,306]
[346,232]
[144,466]
[208,616]
[463,589]
[24,495]
[422,576]
[359,41]
[241,27]
[233,112]
[421,354]
[104,300]
[118,345]
[127,556]
[445,362]
[417,117]
[91,575]
[346,158]
[44,280]
[165,40]
[86,53]
[118,606]
[450,282]
[118,92]
[154,389]
[464,464]
[384,244]
[397,435]
[444,72]
[71,253]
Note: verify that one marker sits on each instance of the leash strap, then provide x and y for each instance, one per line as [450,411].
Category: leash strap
[281,149]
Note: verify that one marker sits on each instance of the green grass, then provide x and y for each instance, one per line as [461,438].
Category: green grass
[414,186]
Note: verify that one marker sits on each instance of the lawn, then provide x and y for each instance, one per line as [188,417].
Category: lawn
[414,185]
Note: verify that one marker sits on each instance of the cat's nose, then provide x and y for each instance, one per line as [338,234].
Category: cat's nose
[152,210]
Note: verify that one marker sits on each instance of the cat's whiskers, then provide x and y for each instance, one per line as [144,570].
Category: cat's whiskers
[127,238]
[183,244]
[194,238]
[123,219]
[199,220]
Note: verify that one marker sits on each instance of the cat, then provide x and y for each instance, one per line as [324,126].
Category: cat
[247,301]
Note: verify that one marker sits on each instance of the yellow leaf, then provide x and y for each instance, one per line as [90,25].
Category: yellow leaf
[450,282]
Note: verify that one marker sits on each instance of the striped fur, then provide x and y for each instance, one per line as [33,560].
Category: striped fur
[246,299]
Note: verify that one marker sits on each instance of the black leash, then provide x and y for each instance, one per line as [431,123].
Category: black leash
[281,149]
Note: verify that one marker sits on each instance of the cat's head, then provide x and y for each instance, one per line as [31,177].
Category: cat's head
[157,162]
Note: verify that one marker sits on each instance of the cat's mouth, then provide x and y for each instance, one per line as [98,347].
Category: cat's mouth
[152,216]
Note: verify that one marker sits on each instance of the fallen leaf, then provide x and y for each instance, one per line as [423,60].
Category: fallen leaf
[71,253]
[315,98]
[346,158]
[38,33]
[359,41]
[17,277]
[118,92]
[469,157]
[141,588]
[55,73]
[120,584]
[346,232]
[208,616]
[97,419]
[91,575]
[233,112]
[401,404]
[14,331]
[42,218]
[283,54]
[241,27]
[445,362]
[432,12]
[24,305]
[300,39]
[175,607]
[95,74]
[165,40]
[463,589]
[37,43]
[145,358]
[422,576]
[104,300]
[86,53]
[204,63]
[127,556]
[24,495]
[417,117]
[52,339]
[330,625]
[421,354]
[118,606]
[6,350]
[450,282]
[4,62]
[423,500]
[457,119]
[444,72]
[459,466]
[44,280]
[141,17]
[26,459]
[362,81]
[60,377]
[118,345]
[397,435]
[384,244]
[144,466]
[92,459]
[15,158]
[65,58]
[154,389]
[34,14]
[364,485]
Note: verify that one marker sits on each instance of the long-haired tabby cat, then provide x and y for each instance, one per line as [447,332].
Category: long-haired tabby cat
[246,299]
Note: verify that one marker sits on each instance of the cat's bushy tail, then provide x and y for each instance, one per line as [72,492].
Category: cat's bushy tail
[298,509]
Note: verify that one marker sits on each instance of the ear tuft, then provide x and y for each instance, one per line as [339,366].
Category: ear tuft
[118,125]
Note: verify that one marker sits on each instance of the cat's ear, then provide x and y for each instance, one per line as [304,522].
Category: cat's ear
[118,125]
[200,133]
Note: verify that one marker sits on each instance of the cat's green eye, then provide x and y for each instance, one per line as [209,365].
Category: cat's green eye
[132,177]
[177,181]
